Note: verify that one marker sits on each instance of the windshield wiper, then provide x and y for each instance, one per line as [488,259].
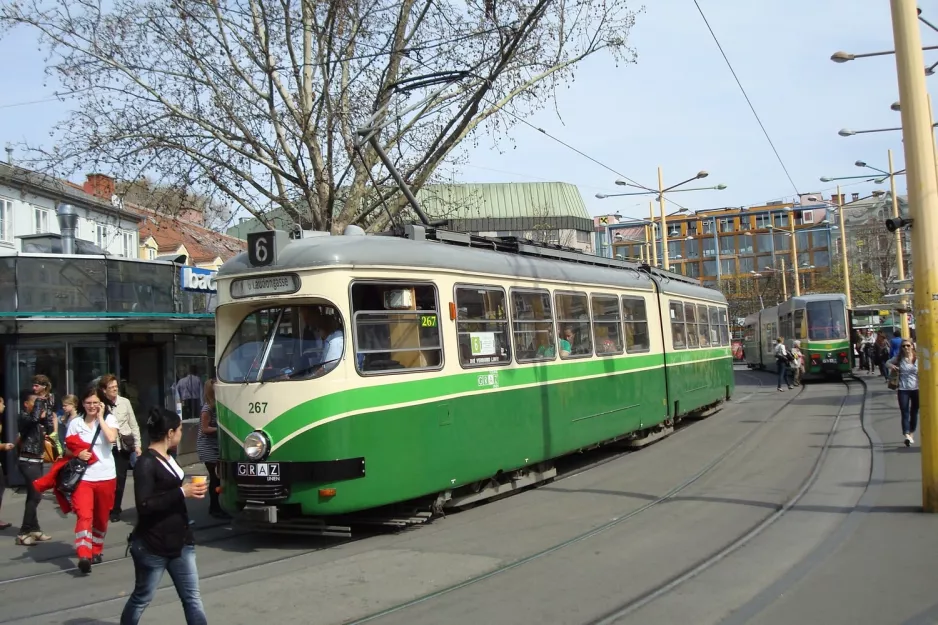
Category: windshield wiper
[289,373]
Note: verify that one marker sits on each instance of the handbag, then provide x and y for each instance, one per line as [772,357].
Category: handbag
[69,476]
[893,382]
[127,442]
[50,450]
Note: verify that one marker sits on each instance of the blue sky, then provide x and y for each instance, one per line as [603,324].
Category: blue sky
[678,107]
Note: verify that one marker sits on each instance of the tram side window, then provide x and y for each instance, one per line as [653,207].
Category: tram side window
[533,326]
[798,330]
[724,328]
[396,327]
[573,319]
[607,326]
[715,326]
[703,325]
[690,320]
[677,325]
[482,326]
[785,323]
[636,325]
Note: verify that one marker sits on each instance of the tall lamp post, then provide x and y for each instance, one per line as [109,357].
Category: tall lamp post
[923,206]
[660,193]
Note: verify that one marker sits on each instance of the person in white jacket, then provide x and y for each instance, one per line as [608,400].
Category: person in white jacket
[128,440]
[781,361]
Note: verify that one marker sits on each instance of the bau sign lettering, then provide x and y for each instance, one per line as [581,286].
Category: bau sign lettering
[195,279]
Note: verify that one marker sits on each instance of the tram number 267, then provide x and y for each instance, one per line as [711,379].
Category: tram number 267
[257,407]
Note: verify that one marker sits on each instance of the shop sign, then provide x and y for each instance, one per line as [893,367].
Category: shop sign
[198,280]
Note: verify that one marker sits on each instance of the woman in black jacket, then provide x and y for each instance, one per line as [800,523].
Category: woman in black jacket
[162,539]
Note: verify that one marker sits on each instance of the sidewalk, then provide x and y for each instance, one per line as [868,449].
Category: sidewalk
[881,565]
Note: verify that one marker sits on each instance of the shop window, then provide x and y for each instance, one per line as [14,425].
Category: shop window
[482,326]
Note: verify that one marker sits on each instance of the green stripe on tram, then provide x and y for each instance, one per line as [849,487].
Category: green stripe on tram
[423,390]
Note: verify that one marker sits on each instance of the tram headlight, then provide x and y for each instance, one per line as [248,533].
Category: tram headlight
[256,445]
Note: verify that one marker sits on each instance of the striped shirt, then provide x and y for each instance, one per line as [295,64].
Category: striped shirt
[207,444]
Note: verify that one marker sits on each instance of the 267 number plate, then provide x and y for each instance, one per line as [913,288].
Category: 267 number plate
[269,471]
[830,361]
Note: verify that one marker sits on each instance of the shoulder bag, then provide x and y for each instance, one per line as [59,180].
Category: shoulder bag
[70,475]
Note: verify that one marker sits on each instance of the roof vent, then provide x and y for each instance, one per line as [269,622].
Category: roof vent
[352,230]
[68,222]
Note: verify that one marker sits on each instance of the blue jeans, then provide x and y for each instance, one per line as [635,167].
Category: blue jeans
[908,406]
[149,568]
[782,371]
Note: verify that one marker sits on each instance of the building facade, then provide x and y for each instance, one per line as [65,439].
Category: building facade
[547,212]
[730,245]
[28,201]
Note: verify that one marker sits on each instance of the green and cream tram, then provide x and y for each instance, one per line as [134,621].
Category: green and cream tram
[818,321]
[356,372]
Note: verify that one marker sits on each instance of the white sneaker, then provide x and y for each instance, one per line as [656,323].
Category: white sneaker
[911,440]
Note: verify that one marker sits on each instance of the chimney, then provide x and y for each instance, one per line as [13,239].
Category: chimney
[9,149]
[856,196]
[192,216]
[68,222]
[99,185]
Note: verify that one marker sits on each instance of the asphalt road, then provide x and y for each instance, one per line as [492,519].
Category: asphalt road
[686,530]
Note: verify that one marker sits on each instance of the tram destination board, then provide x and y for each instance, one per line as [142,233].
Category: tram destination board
[280,284]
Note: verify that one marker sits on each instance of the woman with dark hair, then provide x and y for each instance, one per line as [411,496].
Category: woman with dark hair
[94,495]
[162,539]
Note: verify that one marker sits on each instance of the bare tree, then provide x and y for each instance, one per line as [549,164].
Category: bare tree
[543,231]
[168,200]
[259,101]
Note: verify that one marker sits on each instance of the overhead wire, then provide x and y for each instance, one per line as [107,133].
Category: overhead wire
[746,95]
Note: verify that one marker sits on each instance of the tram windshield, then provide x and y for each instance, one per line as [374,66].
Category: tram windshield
[284,343]
[826,320]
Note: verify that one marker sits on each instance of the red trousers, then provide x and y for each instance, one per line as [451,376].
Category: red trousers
[92,502]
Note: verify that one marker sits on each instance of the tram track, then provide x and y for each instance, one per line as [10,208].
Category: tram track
[616,521]
[573,472]
[664,589]
[70,555]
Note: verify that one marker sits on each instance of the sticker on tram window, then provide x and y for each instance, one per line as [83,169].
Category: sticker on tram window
[427,321]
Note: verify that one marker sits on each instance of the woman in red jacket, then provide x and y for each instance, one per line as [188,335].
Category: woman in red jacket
[94,496]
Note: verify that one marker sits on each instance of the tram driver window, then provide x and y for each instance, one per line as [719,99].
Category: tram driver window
[482,326]
[284,343]
[533,325]
[396,327]
[573,319]
[676,310]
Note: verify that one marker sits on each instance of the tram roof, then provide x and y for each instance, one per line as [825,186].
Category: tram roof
[388,251]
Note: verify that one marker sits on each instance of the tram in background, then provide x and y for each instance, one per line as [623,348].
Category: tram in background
[464,366]
[818,321]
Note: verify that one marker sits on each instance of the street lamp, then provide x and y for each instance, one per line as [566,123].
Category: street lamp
[919,146]
[660,193]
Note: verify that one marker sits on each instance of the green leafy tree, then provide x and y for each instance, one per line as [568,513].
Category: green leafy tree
[865,288]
